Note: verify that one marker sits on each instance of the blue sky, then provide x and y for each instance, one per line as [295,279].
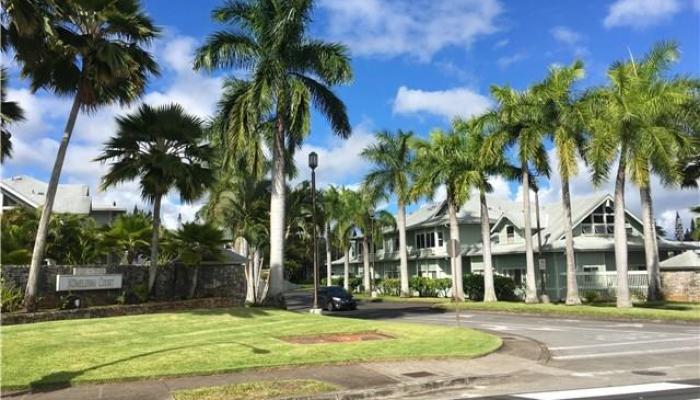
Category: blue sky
[416,64]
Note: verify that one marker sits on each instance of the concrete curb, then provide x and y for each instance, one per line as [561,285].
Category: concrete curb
[401,389]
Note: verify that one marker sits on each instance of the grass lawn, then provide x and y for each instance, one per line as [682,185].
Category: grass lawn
[204,342]
[647,311]
[257,390]
[396,299]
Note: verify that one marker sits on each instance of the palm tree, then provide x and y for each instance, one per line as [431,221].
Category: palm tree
[162,146]
[330,200]
[288,71]
[91,51]
[392,156]
[128,235]
[194,243]
[565,125]
[639,120]
[517,122]
[10,112]
[344,216]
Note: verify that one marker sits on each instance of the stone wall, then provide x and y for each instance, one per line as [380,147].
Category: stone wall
[681,285]
[172,283]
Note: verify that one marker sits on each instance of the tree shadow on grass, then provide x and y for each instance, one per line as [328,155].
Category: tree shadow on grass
[239,312]
[63,379]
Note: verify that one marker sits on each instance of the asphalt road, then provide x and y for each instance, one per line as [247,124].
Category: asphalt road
[583,353]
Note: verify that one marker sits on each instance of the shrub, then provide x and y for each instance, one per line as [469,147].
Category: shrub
[390,287]
[11,297]
[442,286]
[591,296]
[474,287]
[429,287]
[355,283]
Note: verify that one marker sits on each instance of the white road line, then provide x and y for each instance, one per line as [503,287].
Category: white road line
[624,353]
[586,346]
[605,391]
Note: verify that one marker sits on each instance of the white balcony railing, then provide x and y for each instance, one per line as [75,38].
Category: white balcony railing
[606,283]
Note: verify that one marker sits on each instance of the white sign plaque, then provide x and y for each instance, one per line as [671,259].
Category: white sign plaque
[88,282]
[542,264]
[89,271]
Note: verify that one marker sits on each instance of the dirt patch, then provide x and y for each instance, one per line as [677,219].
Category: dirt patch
[344,337]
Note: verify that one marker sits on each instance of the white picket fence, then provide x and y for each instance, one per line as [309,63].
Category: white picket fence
[605,283]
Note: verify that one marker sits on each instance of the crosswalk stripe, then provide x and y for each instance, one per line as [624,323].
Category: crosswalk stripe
[604,391]
[625,353]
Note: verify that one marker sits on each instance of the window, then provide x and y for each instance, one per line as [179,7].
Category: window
[600,222]
[440,239]
[510,234]
[426,240]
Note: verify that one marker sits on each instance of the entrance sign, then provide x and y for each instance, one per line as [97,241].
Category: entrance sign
[89,271]
[88,282]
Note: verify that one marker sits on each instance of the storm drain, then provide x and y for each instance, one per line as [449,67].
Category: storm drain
[419,374]
[650,373]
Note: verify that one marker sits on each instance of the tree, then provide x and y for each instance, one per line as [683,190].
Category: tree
[128,236]
[564,123]
[194,243]
[648,135]
[391,157]
[517,120]
[344,217]
[92,51]
[330,200]
[163,148]
[287,72]
[679,231]
[10,112]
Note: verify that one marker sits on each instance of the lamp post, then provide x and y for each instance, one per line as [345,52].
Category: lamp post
[313,163]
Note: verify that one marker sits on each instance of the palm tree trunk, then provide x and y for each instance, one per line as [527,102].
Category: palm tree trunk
[346,269]
[31,291]
[623,291]
[195,278]
[258,294]
[456,260]
[489,289]
[572,296]
[651,251]
[403,251]
[277,212]
[153,269]
[329,256]
[249,266]
[366,279]
[531,286]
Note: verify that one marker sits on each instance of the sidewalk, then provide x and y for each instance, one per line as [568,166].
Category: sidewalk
[517,354]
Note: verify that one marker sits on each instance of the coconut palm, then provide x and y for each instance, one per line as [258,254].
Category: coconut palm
[392,156]
[288,71]
[565,125]
[344,217]
[92,51]
[517,123]
[129,235]
[163,148]
[10,112]
[330,201]
[637,119]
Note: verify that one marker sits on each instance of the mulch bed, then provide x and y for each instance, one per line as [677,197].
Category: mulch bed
[336,337]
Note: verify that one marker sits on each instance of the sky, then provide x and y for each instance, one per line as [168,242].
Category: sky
[417,64]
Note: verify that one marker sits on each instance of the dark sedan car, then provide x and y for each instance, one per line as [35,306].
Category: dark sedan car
[334,298]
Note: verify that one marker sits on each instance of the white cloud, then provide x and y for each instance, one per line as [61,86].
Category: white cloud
[457,102]
[506,61]
[418,28]
[696,5]
[501,43]
[640,13]
[565,35]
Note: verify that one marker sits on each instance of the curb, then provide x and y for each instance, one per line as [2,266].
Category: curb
[401,389]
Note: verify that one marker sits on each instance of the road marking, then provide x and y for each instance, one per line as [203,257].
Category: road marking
[586,346]
[605,391]
[624,353]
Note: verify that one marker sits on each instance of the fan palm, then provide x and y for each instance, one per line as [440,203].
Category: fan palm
[10,112]
[91,50]
[517,123]
[288,71]
[162,147]
[392,156]
[638,120]
[129,235]
[564,122]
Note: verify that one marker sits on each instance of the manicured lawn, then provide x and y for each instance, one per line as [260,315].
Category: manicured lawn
[396,299]
[647,311]
[257,390]
[206,342]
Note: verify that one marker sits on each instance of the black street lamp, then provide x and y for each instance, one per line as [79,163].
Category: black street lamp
[313,163]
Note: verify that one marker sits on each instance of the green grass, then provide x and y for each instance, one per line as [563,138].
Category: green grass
[396,299]
[257,390]
[646,311]
[207,342]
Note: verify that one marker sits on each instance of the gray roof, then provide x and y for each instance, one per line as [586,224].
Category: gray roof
[687,260]
[70,198]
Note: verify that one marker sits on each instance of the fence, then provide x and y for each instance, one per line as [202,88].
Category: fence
[605,283]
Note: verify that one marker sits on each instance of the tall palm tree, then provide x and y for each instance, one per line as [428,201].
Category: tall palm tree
[638,120]
[517,123]
[93,51]
[288,71]
[163,148]
[392,156]
[344,216]
[330,200]
[563,120]
[10,112]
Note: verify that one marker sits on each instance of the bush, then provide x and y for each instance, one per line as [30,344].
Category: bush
[429,287]
[474,287]
[11,297]
[355,283]
[390,287]
[591,296]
